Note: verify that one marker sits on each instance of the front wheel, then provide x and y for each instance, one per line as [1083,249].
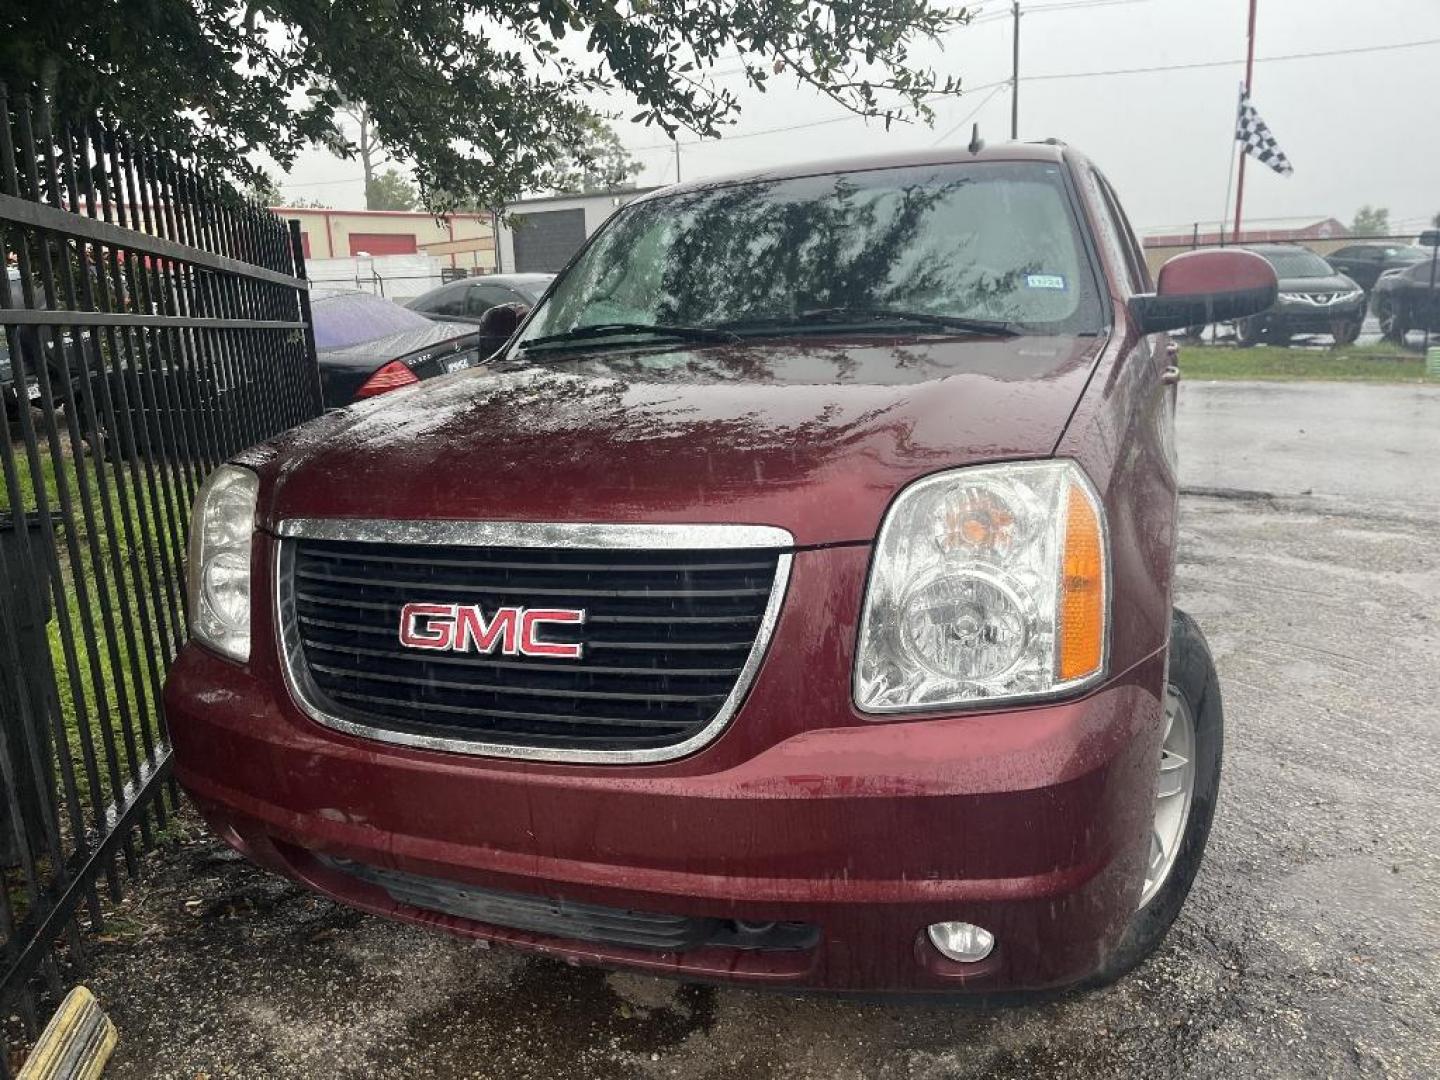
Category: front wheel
[1392,319]
[1188,783]
[1345,332]
[1249,333]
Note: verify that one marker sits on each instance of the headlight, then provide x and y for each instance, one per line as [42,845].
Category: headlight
[988,584]
[219,575]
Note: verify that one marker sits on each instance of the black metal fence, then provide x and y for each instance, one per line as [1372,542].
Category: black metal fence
[154,324]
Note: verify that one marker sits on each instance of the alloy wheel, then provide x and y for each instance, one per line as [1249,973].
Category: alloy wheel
[1173,794]
[1391,326]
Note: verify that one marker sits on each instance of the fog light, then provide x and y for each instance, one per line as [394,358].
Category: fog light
[962,941]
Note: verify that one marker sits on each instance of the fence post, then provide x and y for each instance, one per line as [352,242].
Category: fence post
[29,608]
[297,248]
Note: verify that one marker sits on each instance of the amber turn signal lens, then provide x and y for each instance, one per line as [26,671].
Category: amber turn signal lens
[1082,590]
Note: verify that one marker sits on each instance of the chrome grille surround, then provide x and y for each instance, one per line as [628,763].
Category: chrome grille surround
[549,535]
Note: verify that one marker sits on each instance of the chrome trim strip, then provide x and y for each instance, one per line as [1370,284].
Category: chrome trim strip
[536,534]
[505,534]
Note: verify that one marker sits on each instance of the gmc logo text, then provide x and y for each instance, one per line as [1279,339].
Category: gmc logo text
[512,631]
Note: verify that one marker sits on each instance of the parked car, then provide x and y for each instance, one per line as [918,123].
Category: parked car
[788,603]
[1364,263]
[1408,299]
[10,394]
[368,345]
[1314,299]
[63,359]
[469,299]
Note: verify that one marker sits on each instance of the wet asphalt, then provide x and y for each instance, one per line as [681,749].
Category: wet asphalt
[1310,947]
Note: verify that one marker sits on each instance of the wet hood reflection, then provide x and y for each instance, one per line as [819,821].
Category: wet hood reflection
[815,436]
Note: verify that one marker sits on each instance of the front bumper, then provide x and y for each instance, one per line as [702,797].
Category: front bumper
[1031,822]
[1305,318]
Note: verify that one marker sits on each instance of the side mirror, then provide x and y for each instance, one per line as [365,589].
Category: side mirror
[501,321]
[1203,287]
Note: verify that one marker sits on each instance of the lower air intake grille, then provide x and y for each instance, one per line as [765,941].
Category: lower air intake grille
[667,643]
[577,922]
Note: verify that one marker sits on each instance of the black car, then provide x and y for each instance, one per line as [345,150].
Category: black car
[1314,299]
[1408,299]
[1364,263]
[9,392]
[468,299]
[63,359]
[368,345]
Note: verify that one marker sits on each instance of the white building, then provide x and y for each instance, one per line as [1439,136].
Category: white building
[401,254]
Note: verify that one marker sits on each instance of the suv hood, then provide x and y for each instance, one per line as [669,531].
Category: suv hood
[1335,283]
[815,436]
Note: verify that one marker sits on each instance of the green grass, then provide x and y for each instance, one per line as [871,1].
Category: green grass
[118,582]
[27,481]
[1357,363]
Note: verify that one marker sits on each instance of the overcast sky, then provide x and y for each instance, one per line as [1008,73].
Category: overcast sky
[1358,128]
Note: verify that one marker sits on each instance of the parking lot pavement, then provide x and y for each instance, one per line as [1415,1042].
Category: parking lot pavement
[1353,443]
[1310,946]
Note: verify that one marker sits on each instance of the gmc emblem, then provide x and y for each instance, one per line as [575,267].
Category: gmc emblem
[464,628]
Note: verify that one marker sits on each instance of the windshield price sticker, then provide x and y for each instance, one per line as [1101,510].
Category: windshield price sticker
[1045,281]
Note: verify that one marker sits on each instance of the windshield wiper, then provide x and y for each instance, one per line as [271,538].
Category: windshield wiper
[580,334]
[882,314]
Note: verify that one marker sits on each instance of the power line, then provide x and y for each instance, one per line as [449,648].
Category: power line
[322,183]
[1077,4]
[972,113]
[1024,78]
[1083,75]
[1230,63]
[793,127]
[1046,9]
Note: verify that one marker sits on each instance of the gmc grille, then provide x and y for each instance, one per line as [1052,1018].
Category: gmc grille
[670,641]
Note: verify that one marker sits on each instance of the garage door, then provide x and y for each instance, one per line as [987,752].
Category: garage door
[545,241]
[371,243]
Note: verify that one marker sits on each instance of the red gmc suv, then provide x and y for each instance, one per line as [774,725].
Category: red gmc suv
[788,602]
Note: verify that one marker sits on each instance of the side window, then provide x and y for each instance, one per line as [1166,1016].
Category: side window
[1140,270]
[443,302]
[481,298]
[1111,234]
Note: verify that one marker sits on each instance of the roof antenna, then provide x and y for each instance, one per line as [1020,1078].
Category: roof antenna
[976,143]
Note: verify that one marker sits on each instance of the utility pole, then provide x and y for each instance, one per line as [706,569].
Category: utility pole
[677,161]
[1015,77]
[1249,73]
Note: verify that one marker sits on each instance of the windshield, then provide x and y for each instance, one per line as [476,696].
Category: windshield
[1298,264]
[351,318]
[987,241]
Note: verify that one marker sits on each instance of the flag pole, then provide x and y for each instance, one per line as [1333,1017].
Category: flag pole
[1249,73]
[1230,172]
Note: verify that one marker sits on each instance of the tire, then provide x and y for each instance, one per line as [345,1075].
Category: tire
[1345,332]
[1248,333]
[1192,675]
[1392,320]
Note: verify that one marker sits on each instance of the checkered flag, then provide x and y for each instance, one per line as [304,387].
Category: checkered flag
[1255,138]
